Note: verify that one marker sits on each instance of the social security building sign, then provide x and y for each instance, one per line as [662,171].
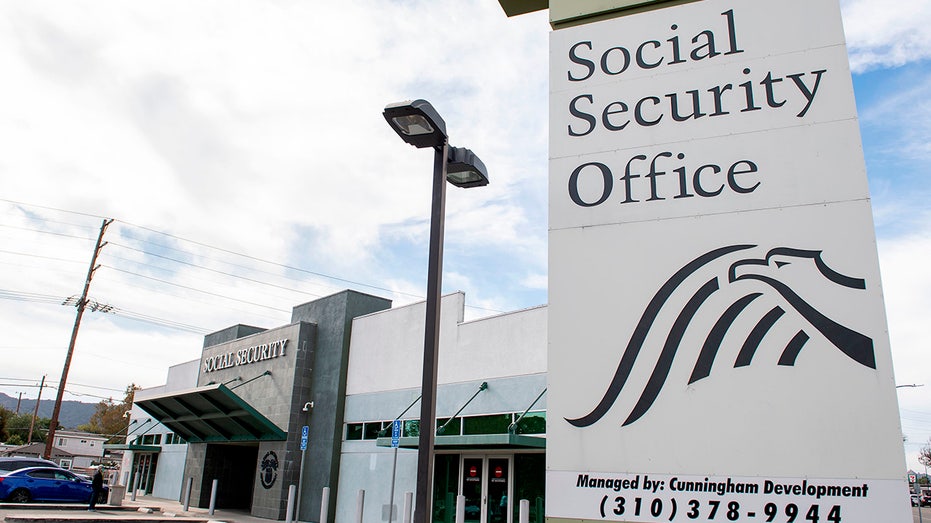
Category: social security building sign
[718,347]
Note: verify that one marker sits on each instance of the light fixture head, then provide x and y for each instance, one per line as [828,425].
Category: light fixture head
[465,169]
[417,123]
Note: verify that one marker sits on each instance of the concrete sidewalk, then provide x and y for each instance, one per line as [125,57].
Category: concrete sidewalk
[145,509]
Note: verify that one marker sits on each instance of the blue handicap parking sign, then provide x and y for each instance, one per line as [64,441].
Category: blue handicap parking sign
[395,433]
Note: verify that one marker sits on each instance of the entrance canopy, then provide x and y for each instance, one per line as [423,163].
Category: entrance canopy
[211,414]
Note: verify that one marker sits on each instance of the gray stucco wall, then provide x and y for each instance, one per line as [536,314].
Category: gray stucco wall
[277,396]
[230,333]
[312,369]
[333,316]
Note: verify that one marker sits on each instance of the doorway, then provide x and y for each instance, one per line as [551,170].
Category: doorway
[234,467]
[143,472]
[486,486]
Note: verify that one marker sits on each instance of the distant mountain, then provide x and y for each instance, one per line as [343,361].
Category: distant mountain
[73,413]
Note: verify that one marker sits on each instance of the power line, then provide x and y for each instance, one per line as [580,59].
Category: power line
[30,296]
[73,393]
[166,282]
[79,213]
[205,245]
[39,256]
[46,232]
[281,265]
[62,300]
[189,298]
[226,251]
[172,271]
[202,267]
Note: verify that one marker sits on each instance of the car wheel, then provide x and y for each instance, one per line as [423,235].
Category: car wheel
[20,496]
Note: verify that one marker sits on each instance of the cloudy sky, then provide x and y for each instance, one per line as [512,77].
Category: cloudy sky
[239,148]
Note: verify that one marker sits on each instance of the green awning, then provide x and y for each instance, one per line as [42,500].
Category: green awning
[211,414]
[472,442]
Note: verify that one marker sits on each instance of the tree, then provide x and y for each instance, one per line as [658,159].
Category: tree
[17,426]
[4,418]
[924,455]
[109,419]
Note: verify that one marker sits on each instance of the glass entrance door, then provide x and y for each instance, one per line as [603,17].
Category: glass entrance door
[144,471]
[486,484]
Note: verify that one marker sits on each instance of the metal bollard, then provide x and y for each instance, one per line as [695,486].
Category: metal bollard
[408,505]
[524,515]
[213,497]
[360,503]
[289,513]
[325,505]
[187,493]
[135,485]
[460,509]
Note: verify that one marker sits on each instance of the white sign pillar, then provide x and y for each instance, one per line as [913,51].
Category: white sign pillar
[718,347]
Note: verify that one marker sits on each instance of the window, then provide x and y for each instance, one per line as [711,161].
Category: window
[173,439]
[61,442]
[353,431]
[371,430]
[493,424]
[453,429]
[65,464]
[412,428]
[375,429]
[532,423]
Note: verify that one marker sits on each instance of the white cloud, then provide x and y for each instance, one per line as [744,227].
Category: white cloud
[886,34]
[907,291]
[256,127]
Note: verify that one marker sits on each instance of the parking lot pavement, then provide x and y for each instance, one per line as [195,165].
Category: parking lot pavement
[145,509]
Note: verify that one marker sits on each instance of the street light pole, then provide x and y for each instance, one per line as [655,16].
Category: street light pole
[431,340]
[420,125]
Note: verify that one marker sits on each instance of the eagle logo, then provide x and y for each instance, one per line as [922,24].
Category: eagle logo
[855,345]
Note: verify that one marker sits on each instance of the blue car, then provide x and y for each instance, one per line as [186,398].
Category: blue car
[46,484]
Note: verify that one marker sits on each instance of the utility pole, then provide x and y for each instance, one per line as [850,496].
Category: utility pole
[53,425]
[35,413]
[18,401]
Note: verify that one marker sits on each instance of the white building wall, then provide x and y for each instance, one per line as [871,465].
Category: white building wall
[81,445]
[386,350]
[169,474]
